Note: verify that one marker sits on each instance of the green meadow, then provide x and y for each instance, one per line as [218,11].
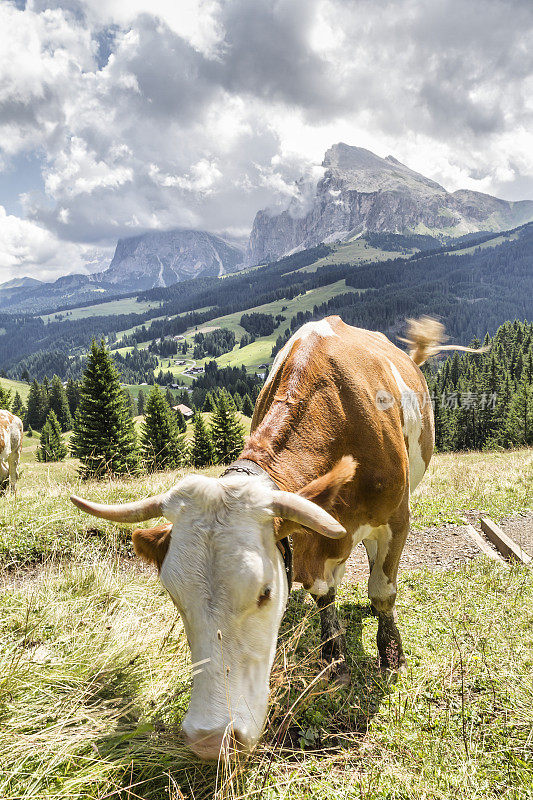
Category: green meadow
[95,673]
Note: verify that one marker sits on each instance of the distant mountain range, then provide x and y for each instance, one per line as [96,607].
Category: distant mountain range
[360,192]
[28,295]
[155,259]
[474,285]
[161,258]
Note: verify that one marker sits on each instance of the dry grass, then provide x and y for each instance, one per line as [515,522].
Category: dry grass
[493,483]
[95,678]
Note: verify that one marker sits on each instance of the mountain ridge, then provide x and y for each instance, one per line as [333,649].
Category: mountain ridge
[361,192]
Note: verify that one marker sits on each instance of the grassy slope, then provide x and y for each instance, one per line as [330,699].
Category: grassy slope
[16,386]
[356,251]
[258,352]
[128,305]
[95,671]
[152,319]
[486,245]
[41,521]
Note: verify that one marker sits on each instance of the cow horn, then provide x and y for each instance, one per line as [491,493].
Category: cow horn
[298,509]
[139,511]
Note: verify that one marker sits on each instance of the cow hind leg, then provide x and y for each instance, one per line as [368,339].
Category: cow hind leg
[389,540]
[333,644]
[13,461]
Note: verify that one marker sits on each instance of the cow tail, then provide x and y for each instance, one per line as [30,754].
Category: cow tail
[425,337]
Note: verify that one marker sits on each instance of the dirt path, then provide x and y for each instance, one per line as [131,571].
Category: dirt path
[443,548]
[433,548]
[520,528]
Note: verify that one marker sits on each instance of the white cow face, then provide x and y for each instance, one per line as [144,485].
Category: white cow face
[219,562]
[226,577]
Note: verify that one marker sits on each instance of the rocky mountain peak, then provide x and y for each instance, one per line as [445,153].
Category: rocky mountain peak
[367,172]
[360,191]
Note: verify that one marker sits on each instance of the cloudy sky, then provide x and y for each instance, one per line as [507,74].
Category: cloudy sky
[118,116]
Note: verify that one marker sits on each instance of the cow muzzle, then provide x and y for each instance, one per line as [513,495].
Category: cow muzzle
[210,745]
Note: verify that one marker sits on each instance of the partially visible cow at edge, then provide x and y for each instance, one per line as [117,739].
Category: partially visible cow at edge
[342,432]
[11,431]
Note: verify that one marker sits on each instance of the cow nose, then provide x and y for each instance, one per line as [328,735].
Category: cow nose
[208,744]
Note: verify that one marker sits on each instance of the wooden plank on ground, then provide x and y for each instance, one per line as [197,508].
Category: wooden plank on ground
[507,546]
[483,545]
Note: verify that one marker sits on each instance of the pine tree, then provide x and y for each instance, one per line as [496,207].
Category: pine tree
[209,404]
[140,402]
[519,419]
[180,421]
[45,390]
[52,447]
[104,434]
[227,432]
[162,445]
[131,406]
[202,452]
[247,406]
[37,409]
[73,393]
[5,399]
[29,432]
[59,404]
[18,406]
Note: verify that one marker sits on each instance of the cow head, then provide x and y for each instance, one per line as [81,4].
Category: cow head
[220,564]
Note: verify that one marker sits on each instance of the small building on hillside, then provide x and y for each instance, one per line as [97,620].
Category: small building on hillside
[185,410]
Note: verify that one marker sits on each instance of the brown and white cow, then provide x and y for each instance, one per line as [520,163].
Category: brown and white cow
[342,432]
[11,431]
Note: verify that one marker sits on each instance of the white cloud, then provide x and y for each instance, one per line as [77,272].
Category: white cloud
[29,249]
[197,113]
[78,171]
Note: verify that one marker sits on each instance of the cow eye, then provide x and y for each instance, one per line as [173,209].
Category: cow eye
[264,596]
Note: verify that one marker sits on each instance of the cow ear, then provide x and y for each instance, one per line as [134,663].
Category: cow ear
[324,490]
[151,544]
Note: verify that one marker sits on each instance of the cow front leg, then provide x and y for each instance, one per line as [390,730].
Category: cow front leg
[382,593]
[389,540]
[333,644]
